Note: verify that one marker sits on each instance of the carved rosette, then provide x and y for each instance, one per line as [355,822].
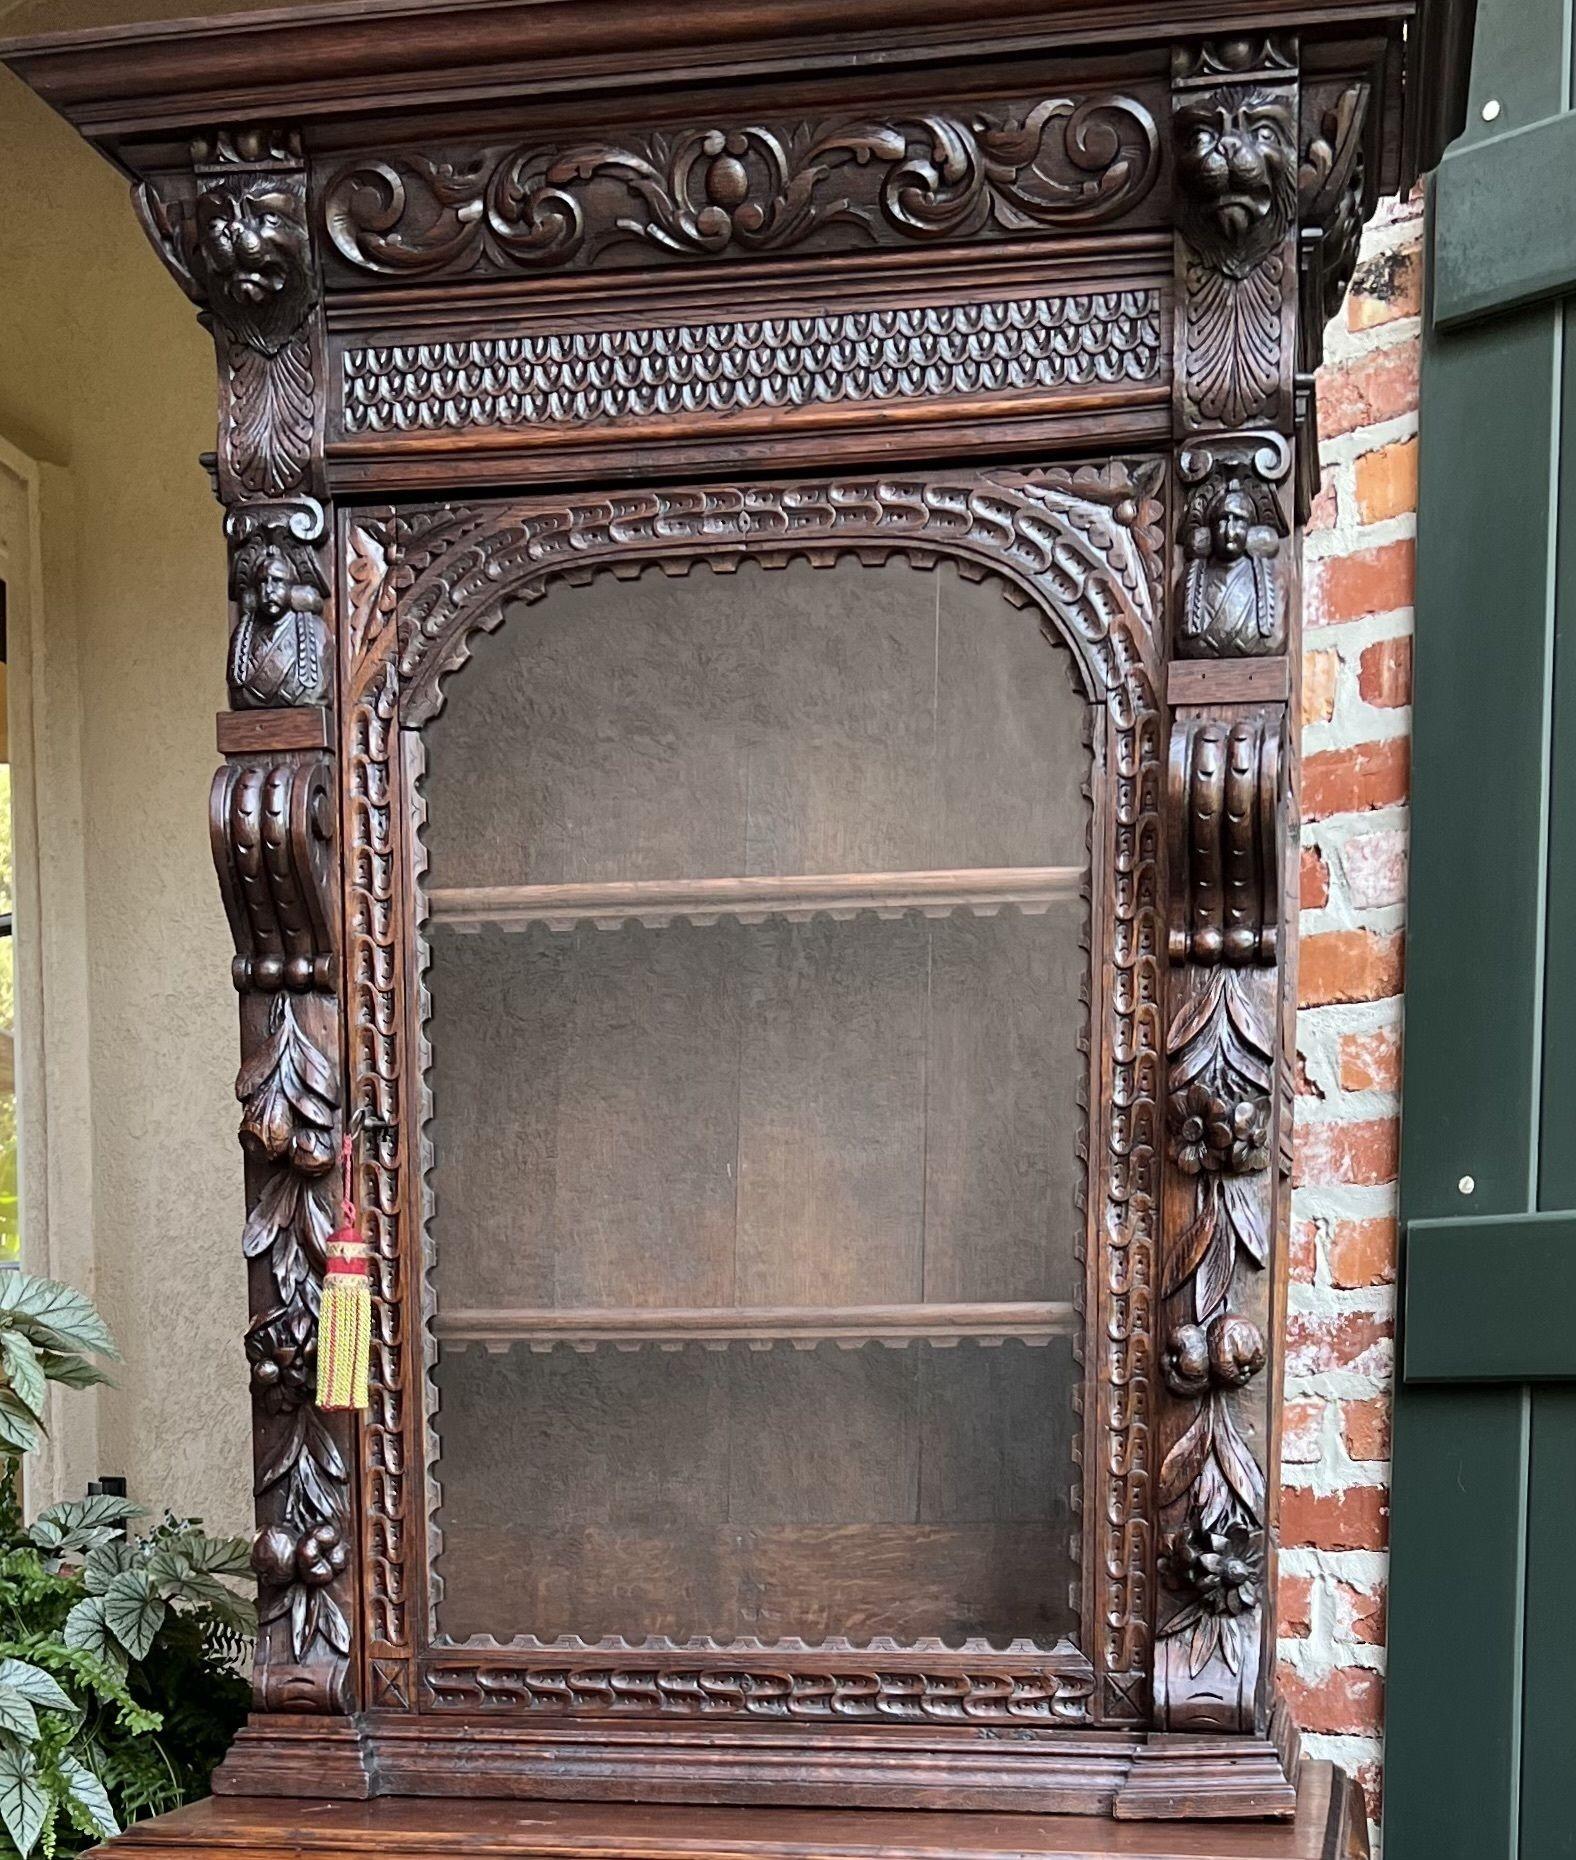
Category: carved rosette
[1085,547]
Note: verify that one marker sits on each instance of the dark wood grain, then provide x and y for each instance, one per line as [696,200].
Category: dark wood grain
[764,584]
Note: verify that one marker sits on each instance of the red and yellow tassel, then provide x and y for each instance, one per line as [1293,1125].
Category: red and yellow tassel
[344,1321]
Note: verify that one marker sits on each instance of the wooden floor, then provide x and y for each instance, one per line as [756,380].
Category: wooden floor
[1329,1825]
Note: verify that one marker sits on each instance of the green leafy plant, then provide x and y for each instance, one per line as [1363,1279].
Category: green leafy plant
[118,1683]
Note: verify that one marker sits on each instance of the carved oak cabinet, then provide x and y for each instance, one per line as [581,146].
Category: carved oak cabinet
[758,810]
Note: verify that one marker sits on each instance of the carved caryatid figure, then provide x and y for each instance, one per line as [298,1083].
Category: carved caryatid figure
[279,649]
[1231,596]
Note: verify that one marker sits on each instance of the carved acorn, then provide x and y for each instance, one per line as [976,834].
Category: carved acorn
[274,1556]
[1236,1350]
[320,1556]
[1185,1361]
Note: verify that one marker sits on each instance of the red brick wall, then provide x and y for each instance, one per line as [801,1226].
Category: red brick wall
[1355,741]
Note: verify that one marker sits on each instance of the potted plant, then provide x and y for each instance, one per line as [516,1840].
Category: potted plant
[119,1654]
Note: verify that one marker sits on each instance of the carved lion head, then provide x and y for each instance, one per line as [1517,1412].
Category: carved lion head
[1237,164]
[252,247]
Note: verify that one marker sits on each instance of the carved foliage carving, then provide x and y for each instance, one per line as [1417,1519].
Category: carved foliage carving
[273,841]
[1224,807]
[747,188]
[1085,545]
[1211,1488]
[1233,597]
[1038,1695]
[1236,152]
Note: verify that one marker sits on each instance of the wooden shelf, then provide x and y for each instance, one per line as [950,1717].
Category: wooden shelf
[658,902]
[758,1327]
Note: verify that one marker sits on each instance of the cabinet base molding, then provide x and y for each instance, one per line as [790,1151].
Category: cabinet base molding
[1328,1822]
[279,1753]
[1134,1776]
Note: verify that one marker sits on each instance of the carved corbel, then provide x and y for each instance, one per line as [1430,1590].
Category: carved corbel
[1334,199]
[1234,125]
[1225,805]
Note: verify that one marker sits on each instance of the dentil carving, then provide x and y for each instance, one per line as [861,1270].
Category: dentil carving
[1237,180]
[739,189]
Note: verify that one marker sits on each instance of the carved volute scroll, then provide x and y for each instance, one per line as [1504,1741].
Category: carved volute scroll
[232,228]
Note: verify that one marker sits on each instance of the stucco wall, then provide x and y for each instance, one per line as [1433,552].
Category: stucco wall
[106,379]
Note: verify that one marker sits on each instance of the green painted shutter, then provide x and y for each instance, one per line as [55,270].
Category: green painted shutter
[1481,1722]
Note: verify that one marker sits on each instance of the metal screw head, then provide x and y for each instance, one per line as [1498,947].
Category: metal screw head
[1466,1185]
[1491,110]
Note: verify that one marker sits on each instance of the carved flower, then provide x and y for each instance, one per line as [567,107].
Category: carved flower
[282,1350]
[1221,1570]
[1211,1135]
[1236,1350]
[320,1556]
[1184,1362]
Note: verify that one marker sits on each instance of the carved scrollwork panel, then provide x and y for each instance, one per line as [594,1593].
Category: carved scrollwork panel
[742,189]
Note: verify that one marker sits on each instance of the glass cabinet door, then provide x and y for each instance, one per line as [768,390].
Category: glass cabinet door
[756,962]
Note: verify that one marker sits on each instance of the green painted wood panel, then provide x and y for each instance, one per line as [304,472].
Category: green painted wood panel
[1468,1315]
[1556,1186]
[1497,245]
[1481,1713]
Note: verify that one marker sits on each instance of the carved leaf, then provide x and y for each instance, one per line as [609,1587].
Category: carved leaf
[1190,1249]
[1195,1016]
[1238,1465]
[286,1454]
[1245,1214]
[289,1094]
[1204,1644]
[1212,1288]
[1186,1460]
